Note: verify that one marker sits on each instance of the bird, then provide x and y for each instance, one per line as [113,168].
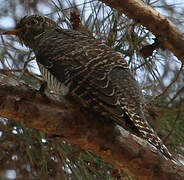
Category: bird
[81,69]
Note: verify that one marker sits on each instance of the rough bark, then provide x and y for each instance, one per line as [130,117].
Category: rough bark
[113,143]
[169,36]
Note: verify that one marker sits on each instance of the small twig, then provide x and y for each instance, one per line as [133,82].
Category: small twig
[167,88]
[9,71]
[175,96]
[173,127]
[29,59]
[77,5]
[35,76]
[141,65]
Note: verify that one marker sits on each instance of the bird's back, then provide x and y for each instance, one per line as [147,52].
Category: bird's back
[77,65]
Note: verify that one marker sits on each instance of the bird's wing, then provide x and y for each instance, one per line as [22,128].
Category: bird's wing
[96,74]
[93,88]
[70,60]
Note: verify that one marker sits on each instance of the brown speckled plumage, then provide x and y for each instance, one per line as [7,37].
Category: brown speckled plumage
[76,65]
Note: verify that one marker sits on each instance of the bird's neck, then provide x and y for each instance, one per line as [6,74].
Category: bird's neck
[33,42]
[36,41]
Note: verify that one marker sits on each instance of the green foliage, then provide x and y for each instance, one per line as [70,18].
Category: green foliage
[171,121]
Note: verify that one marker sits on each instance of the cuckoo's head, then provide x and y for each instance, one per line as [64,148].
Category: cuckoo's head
[29,28]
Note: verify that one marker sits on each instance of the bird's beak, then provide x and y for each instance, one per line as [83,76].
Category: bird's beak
[14,31]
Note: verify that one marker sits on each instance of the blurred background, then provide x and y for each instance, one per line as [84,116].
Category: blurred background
[29,154]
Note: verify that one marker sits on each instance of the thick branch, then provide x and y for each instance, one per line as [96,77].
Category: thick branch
[113,143]
[167,33]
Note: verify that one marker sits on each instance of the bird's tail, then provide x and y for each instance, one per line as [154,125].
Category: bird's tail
[149,134]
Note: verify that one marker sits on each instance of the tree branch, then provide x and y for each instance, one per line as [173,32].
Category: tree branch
[166,32]
[90,132]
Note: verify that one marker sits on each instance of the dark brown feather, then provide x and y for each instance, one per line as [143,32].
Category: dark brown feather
[77,66]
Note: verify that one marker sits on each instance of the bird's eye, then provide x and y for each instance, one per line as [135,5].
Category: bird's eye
[32,22]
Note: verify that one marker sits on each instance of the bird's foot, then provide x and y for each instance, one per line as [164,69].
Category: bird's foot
[42,90]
